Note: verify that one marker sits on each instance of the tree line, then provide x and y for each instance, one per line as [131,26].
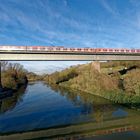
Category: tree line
[12,75]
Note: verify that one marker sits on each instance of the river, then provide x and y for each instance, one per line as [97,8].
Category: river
[41,111]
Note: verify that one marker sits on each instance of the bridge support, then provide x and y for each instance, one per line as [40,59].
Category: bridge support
[96,65]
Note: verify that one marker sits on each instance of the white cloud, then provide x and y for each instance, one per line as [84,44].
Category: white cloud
[41,67]
[110,8]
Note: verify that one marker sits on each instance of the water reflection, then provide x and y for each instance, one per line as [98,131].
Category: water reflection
[55,112]
[97,107]
[8,103]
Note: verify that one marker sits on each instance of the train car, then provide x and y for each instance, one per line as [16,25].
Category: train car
[30,48]
[43,49]
[77,50]
[12,48]
[66,50]
[56,49]
[120,51]
[34,48]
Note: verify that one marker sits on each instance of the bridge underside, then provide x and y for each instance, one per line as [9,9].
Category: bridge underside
[65,57]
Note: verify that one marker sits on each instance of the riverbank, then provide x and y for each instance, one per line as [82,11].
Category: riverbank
[7,92]
[13,76]
[117,81]
[114,97]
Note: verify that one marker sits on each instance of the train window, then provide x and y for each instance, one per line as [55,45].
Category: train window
[58,49]
[105,50]
[127,50]
[122,50]
[42,48]
[138,50]
[72,49]
[132,50]
[116,50]
[110,50]
[85,49]
[50,49]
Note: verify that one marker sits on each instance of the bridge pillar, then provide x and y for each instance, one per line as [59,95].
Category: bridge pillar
[96,65]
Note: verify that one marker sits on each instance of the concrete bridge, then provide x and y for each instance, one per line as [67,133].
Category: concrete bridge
[65,56]
[39,55]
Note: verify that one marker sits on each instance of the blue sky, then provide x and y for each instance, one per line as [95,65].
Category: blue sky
[71,23]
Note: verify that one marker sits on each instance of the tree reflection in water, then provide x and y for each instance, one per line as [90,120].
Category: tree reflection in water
[98,108]
[9,103]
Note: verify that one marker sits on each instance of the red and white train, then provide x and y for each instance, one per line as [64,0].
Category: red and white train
[63,49]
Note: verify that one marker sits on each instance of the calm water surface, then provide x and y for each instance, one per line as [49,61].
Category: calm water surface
[41,107]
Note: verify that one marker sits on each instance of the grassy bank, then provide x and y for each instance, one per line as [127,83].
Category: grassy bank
[118,81]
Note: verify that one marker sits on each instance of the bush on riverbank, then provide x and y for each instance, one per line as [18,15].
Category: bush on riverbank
[13,75]
[34,77]
[132,82]
[63,76]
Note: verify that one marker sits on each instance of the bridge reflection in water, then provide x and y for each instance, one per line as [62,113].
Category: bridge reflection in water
[100,113]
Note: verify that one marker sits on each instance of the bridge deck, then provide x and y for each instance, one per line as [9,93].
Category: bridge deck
[41,56]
